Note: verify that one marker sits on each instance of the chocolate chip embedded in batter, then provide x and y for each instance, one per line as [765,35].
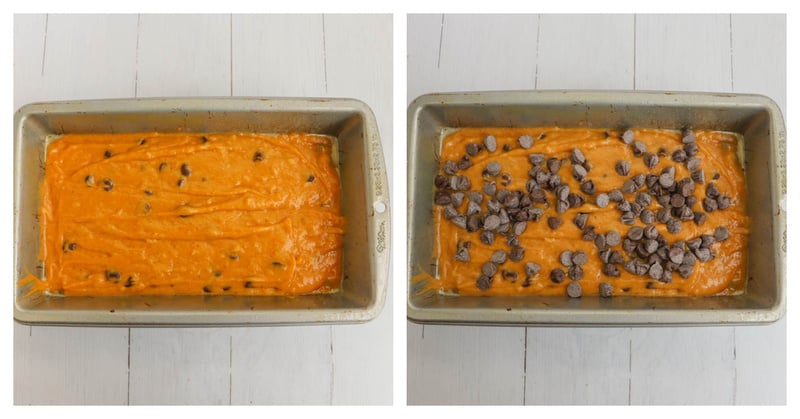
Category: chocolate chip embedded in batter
[610,269]
[557,275]
[588,234]
[525,141]
[613,238]
[601,200]
[639,148]
[709,204]
[186,170]
[531,269]
[656,271]
[450,212]
[650,232]
[616,257]
[579,172]
[712,191]
[575,272]
[489,269]
[662,215]
[686,187]
[112,276]
[676,255]
[510,275]
[511,201]
[588,187]
[685,213]
[623,206]
[623,167]
[484,282]
[69,247]
[606,289]
[465,163]
[490,143]
[629,187]
[562,207]
[574,290]
[699,217]
[310,178]
[627,137]
[553,164]
[685,271]
[108,154]
[473,221]
[507,147]
[520,227]
[441,198]
[647,216]
[457,198]
[89,180]
[554,181]
[491,222]
[651,181]
[579,257]
[674,226]
[693,163]
[650,160]
[600,241]
[450,167]
[691,149]
[473,208]
[688,137]
[473,149]
[536,159]
[487,237]
[554,222]
[699,176]
[677,200]
[635,233]
[715,176]
[493,206]
[580,220]
[575,200]
[129,282]
[108,184]
[490,188]
[462,183]
[462,254]
[577,156]
[505,179]
[703,254]
[181,182]
[721,233]
[562,192]
[707,240]
[441,182]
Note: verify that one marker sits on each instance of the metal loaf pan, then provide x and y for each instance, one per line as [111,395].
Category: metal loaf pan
[756,118]
[365,205]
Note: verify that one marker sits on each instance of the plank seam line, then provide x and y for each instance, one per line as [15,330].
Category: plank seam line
[324,55]
[525,368]
[441,35]
[333,366]
[536,65]
[735,368]
[44,45]
[136,73]
[128,401]
[630,363]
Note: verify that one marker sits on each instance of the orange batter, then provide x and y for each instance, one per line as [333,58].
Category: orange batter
[722,275]
[152,213]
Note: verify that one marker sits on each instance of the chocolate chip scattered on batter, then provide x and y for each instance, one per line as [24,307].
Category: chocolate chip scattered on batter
[490,143]
[525,141]
[108,184]
[89,180]
[557,275]
[574,289]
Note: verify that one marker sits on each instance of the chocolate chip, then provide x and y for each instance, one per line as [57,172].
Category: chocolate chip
[575,272]
[450,212]
[629,186]
[487,237]
[691,149]
[600,242]
[686,187]
[588,187]
[465,163]
[490,143]
[489,269]
[441,198]
[606,289]
[685,271]
[707,240]
[656,271]
[498,257]
[493,206]
[129,283]
[511,201]
[627,137]
[460,221]
[108,185]
[577,156]
[612,238]
[525,141]
[112,276]
[679,156]
[688,137]
[636,209]
[709,204]
[504,219]
[462,183]
[623,167]
[616,257]
[536,159]
[534,214]
[474,221]
[628,245]
[510,275]
[507,147]
[186,170]
[721,234]
[663,200]
[650,232]
[484,282]
[89,180]
[715,176]
[712,191]
[108,154]
[462,254]
[647,216]
[579,257]
[674,226]
[516,254]
[491,222]
[562,192]
[565,258]
[562,207]
[685,213]
[691,200]
[628,218]
[492,168]
[693,164]
[676,255]
[441,182]
[677,200]
[505,179]
[574,290]
[579,172]
[723,202]
[601,200]
[553,164]
[531,269]
[554,181]
[181,182]
[580,220]
[588,234]
[554,222]
[450,167]
[490,188]
[575,200]
[557,275]
[639,148]
[650,160]
[635,233]
[699,176]
[662,215]
[651,180]
[703,254]
[615,195]
[473,149]
[610,269]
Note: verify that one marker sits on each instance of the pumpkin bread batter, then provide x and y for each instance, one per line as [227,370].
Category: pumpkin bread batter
[574,211]
[153,213]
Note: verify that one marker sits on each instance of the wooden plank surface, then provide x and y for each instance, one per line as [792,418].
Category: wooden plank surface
[208,55]
[719,365]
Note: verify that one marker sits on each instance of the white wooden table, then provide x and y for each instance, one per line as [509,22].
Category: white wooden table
[495,365]
[60,57]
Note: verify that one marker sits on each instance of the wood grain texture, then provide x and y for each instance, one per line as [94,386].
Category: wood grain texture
[70,365]
[577,366]
[184,55]
[180,366]
[683,52]
[281,365]
[467,365]
[682,366]
[585,52]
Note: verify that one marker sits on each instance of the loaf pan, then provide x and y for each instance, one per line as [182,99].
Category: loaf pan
[756,118]
[365,206]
